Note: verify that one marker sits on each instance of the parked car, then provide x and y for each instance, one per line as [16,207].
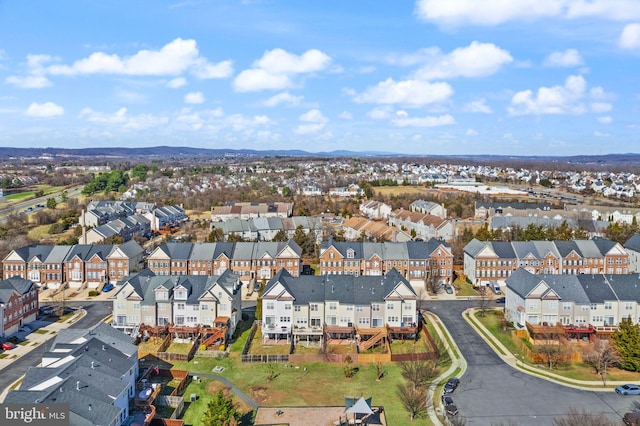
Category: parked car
[632,418]
[8,346]
[107,287]
[449,406]
[448,289]
[500,300]
[628,389]
[451,385]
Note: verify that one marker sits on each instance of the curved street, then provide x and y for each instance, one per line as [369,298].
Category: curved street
[492,392]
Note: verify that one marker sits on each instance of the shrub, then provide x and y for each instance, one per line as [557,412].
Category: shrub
[93,293]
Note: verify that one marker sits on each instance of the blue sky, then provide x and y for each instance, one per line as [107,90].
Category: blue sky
[441,77]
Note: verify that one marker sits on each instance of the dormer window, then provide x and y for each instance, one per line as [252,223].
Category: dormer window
[162,294]
[350,253]
[180,294]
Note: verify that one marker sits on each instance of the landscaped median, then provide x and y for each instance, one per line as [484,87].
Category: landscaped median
[573,374]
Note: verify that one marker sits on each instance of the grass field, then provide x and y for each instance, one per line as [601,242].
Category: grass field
[397,190]
[179,348]
[320,384]
[205,390]
[577,371]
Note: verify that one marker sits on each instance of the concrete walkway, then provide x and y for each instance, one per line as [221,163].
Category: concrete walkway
[246,398]
[41,332]
[457,362]
[510,359]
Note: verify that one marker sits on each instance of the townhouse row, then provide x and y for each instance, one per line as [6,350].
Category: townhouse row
[415,260]
[485,261]
[184,301]
[579,305]
[18,305]
[308,306]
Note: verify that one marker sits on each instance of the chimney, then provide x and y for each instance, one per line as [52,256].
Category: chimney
[78,385]
[93,365]
[103,348]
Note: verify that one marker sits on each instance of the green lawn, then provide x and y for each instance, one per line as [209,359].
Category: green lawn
[257,348]
[463,288]
[320,384]
[205,390]
[179,348]
[577,371]
[41,331]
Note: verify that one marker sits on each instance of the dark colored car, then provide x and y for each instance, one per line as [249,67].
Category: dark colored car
[500,300]
[451,385]
[449,406]
[8,345]
[632,418]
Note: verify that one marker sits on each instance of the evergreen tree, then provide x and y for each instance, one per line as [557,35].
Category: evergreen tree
[221,411]
[627,339]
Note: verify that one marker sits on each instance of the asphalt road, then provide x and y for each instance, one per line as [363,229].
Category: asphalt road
[96,311]
[9,208]
[494,393]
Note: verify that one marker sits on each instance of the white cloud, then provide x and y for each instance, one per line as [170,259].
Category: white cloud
[495,12]
[176,83]
[599,107]
[380,113]
[285,98]
[29,81]
[565,59]
[346,115]
[173,58]
[277,68]
[194,98]
[408,92]
[478,106]
[314,122]
[605,120]
[565,99]
[313,116]
[128,122]
[630,37]
[471,132]
[601,134]
[429,121]
[476,60]
[47,109]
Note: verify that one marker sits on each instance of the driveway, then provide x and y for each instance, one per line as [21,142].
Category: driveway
[492,392]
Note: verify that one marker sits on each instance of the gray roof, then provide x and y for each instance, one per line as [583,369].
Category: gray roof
[387,250]
[633,243]
[346,289]
[595,248]
[566,287]
[18,284]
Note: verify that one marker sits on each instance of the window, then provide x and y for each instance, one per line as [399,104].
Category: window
[608,306]
[533,304]
[285,319]
[363,321]
[296,308]
[287,307]
[270,306]
[628,306]
[313,307]
[566,306]
[390,306]
[359,308]
[594,306]
[204,307]
[553,305]
[392,319]
[333,306]
[180,306]
[375,307]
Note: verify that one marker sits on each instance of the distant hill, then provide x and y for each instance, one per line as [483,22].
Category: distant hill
[630,160]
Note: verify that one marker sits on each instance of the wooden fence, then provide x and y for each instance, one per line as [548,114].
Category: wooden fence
[252,334]
[264,358]
[538,358]
[168,400]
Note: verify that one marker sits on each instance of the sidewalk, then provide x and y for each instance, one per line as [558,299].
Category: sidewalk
[73,295]
[42,331]
[510,359]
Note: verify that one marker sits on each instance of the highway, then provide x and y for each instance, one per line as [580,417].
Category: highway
[8,208]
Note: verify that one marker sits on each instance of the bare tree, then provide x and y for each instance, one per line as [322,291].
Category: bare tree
[432,284]
[584,418]
[419,373]
[483,300]
[554,350]
[601,355]
[413,399]
[423,296]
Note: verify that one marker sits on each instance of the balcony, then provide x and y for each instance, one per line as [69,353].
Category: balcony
[303,330]
[545,329]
